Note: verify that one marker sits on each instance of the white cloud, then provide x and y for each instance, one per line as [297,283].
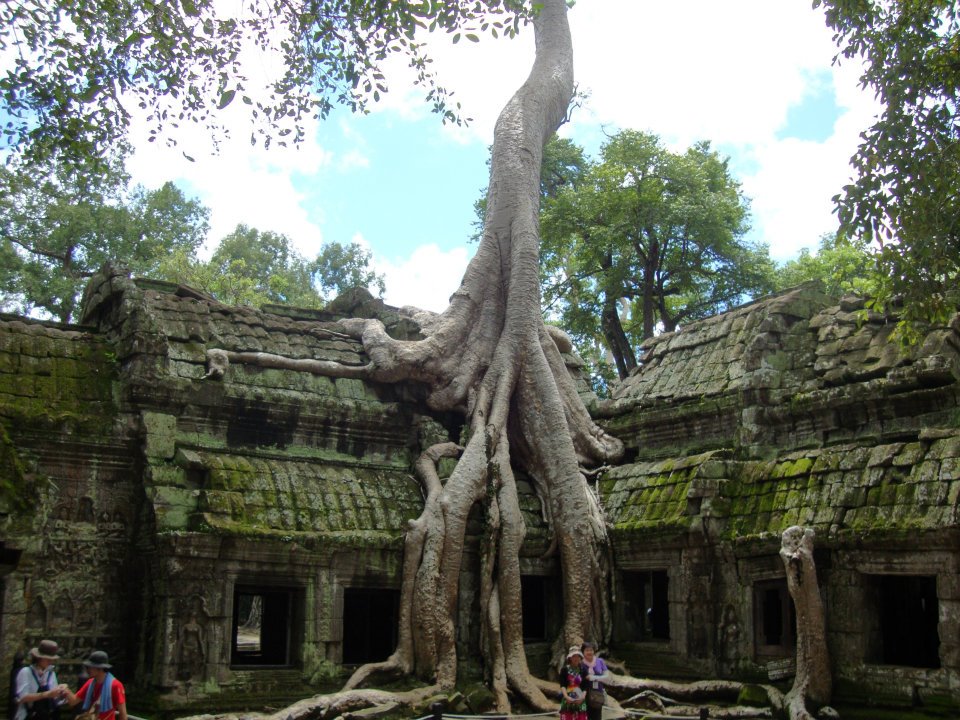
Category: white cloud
[352,159]
[240,185]
[426,279]
[686,70]
[690,69]
[241,181]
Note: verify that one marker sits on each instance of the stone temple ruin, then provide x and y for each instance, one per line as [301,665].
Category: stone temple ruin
[149,512]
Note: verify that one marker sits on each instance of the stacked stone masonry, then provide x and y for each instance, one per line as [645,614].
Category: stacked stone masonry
[796,410]
[144,507]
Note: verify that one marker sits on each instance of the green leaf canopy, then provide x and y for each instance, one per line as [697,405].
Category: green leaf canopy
[644,238]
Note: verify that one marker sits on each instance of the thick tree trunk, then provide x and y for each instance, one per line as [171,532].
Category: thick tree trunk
[652,262]
[813,683]
[490,356]
[617,340]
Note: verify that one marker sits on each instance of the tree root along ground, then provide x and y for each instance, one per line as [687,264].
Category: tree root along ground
[490,357]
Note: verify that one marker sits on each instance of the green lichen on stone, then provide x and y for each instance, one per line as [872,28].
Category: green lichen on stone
[208,443]
[794,468]
[16,492]
[753,696]
[256,495]
[161,435]
[60,383]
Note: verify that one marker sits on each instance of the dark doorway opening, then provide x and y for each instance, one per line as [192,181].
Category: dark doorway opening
[262,626]
[370,620]
[902,620]
[645,611]
[774,619]
[541,600]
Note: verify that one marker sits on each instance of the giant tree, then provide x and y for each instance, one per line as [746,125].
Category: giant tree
[490,357]
[647,236]
[905,196]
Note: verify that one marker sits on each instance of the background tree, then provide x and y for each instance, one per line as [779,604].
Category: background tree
[341,267]
[253,267]
[270,263]
[645,237]
[59,224]
[841,264]
[76,68]
[906,196]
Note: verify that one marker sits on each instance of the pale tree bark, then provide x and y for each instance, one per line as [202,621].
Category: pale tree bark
[490,356]
[813,684]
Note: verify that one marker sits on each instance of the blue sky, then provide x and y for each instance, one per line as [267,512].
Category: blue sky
[755,78]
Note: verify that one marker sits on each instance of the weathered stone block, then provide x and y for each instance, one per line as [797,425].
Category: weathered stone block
[166,475]
[909,455]
[946,448]
[883,455]
[160,438]
[953,495]
[950,469]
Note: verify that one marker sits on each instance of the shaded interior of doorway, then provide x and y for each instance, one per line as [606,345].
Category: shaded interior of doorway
[370,620]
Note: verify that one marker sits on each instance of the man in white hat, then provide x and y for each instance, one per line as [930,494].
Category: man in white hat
[38,693]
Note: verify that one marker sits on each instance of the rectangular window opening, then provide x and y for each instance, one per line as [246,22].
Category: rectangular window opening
[263,626]
[902,615]
[371,619]
[645,612]
[775,619]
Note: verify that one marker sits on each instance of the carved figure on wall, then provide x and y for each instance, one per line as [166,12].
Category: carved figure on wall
[62,613]
[729,634]
[85,512]
[112,524]
[37,615]
[60,557]
[192,650]
[86,612]
[192,642]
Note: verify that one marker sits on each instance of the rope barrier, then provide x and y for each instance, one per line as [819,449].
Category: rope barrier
[491,716]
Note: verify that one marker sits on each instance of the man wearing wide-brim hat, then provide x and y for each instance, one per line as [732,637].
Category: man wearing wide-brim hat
[37,692]
[102,691]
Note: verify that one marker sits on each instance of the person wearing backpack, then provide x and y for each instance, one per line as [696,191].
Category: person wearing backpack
[38,694]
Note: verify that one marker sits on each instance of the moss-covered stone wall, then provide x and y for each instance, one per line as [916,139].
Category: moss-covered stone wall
[67,506]
[793,410]
[127,476]
[140,499]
